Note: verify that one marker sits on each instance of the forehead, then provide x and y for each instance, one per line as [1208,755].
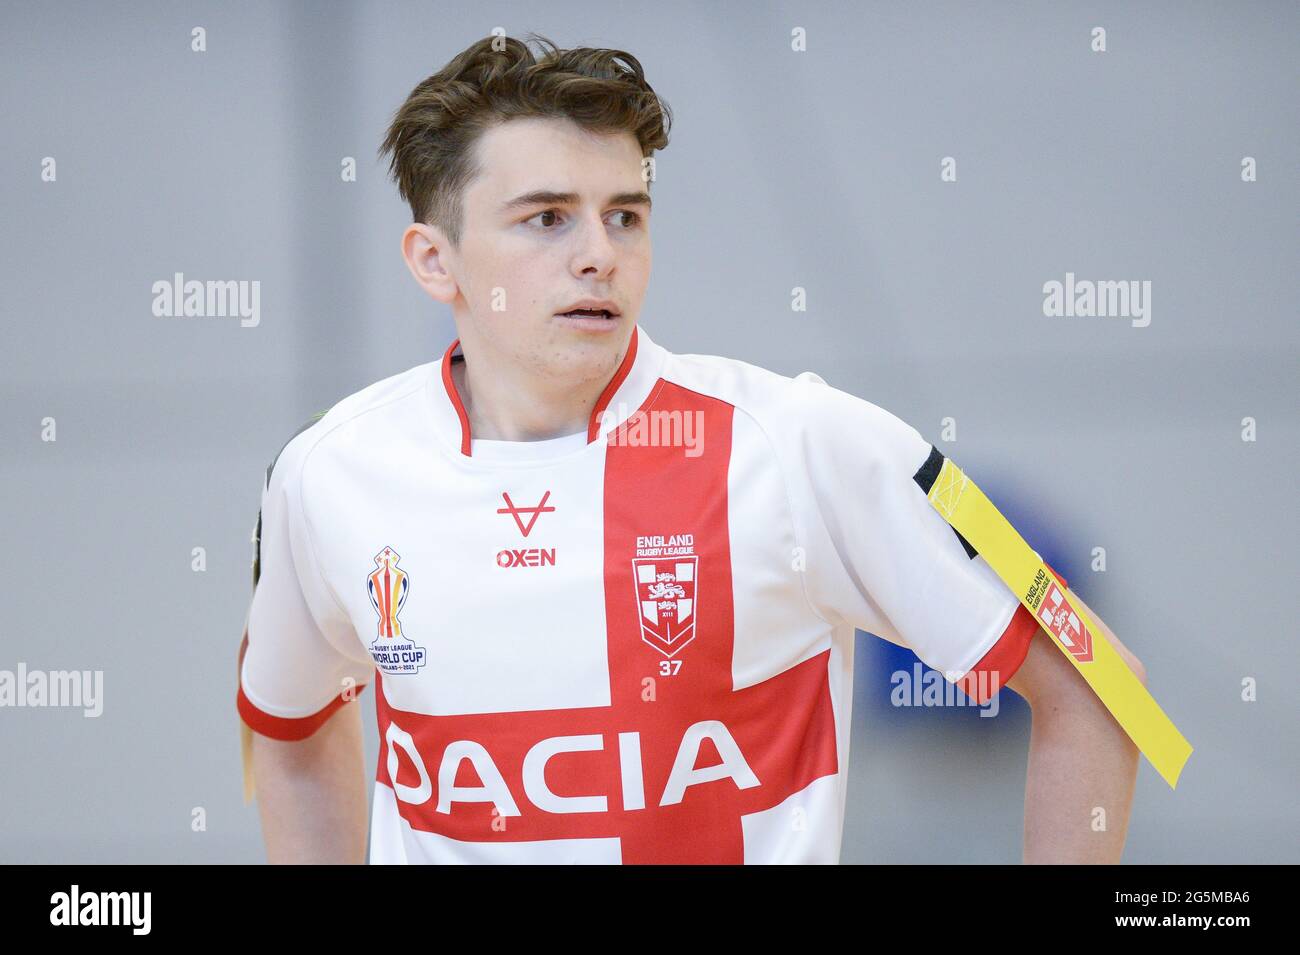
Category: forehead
[530,153]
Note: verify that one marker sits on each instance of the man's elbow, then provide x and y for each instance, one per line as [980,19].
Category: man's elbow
[1048,676]
[1052,674]
[1128,656]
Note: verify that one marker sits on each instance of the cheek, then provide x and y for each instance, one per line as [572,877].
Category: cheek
[518,281]
[498,269]
[519,263]
[639,263]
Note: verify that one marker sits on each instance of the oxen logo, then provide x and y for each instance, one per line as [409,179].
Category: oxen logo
[665,594]
[388,586]
[1064,624]
[535,512]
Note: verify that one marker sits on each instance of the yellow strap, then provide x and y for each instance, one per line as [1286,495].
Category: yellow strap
[964,506]
[246,757]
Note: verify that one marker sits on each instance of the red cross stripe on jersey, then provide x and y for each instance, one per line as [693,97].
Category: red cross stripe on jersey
[669,778]
[516,511]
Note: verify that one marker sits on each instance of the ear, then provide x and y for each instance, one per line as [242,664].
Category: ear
[427,253]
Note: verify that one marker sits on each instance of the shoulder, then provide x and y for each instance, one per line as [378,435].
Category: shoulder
[338,424]
[801,414]
[282,485]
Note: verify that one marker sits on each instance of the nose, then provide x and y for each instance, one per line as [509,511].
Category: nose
[594,252]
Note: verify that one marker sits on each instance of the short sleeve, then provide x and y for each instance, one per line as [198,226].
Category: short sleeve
[301,659]
[881,558]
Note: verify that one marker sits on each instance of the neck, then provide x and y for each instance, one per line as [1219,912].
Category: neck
[507,403]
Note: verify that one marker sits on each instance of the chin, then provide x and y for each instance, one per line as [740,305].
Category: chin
[581,355]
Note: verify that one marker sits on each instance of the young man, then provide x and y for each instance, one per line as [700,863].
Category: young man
[606,594]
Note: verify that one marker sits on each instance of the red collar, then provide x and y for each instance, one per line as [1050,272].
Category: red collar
[593,424]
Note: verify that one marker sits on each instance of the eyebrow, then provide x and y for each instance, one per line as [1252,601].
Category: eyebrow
[547,197]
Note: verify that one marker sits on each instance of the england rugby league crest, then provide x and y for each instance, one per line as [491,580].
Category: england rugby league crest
[666,596]
[1064,624]
[388,587]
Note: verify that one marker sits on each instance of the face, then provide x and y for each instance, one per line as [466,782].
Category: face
[557,215]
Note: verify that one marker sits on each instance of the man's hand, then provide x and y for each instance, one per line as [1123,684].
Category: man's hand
[1082,765]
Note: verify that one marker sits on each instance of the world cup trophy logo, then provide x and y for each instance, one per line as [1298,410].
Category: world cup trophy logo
[388,585]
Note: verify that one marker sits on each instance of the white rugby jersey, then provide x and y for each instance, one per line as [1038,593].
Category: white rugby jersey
[630,644]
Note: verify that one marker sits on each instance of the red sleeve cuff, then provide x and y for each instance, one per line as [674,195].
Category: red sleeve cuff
[1004,658]
[288,728]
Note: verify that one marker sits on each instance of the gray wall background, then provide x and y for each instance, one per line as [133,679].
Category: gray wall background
[817,169]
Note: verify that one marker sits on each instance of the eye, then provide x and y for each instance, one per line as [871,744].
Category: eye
[631,222]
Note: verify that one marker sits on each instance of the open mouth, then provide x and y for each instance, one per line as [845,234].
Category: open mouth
[589,313]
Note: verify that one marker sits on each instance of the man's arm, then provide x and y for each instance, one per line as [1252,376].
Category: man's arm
[311,793]
[1081,762]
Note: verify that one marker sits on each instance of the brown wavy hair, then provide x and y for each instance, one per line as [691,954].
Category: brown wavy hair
[432,134]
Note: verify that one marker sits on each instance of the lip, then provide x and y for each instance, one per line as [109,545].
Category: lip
[595,304]
[590,323]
